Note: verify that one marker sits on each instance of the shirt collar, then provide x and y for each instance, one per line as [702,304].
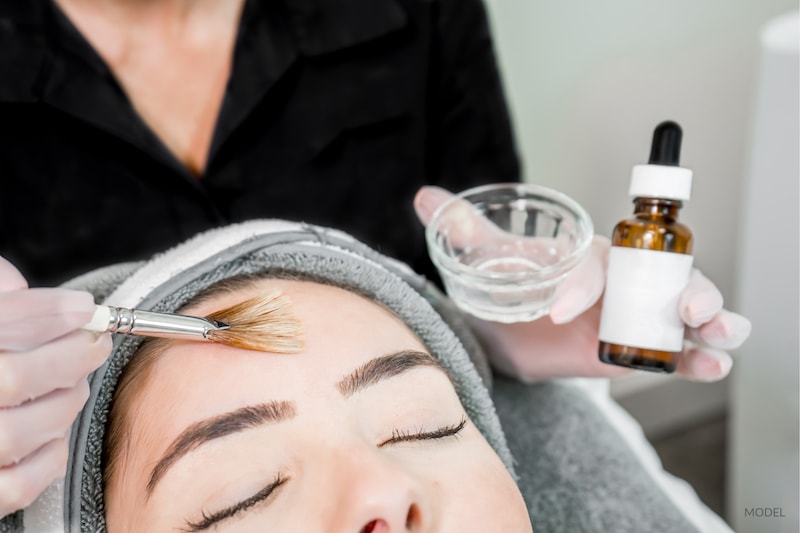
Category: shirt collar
[34,35]
[22,55]
[266,50]
[321,26]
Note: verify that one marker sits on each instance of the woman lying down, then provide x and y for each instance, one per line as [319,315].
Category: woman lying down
[382,421]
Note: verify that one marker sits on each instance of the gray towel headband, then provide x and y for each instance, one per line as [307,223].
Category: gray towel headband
[169,280]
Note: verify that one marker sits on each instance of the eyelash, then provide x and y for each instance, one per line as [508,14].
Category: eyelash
[443,432]
[209,520]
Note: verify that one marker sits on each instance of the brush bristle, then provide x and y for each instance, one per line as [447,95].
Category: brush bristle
[264,323]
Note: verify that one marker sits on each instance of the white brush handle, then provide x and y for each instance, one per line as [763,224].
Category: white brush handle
[100,320]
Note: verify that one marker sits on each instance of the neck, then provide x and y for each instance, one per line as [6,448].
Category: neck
[657,206]
[159,17]
[124,29]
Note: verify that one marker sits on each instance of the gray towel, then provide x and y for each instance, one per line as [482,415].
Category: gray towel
[168,281]
[577,475]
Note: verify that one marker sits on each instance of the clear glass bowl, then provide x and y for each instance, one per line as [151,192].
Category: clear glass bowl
[502,249]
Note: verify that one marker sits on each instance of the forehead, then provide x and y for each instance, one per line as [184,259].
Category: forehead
[325,311]
[342,331]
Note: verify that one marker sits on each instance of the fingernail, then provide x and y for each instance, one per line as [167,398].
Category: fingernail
[730,333]
[700,309]
[428,199]
[715,367]
[700,301]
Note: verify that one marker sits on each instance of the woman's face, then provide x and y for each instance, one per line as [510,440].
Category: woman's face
[225,439]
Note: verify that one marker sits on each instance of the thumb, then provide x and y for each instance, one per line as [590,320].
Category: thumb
[584,286]
[427,201]
[461,222]
[10,277]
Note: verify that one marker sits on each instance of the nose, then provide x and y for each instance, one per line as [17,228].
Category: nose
[392,519]
[377,495]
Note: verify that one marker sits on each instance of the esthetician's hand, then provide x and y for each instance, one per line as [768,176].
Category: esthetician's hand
[564,344]
[44,361]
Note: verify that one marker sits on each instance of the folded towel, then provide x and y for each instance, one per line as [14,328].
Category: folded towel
[168,280]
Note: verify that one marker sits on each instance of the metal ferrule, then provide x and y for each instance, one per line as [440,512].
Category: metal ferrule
[164,325]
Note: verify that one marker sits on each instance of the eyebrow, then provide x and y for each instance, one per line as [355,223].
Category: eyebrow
[370,373]
[385,367]
[217,427]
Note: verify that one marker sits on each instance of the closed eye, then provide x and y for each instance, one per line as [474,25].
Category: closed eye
[210,519]
[399,436]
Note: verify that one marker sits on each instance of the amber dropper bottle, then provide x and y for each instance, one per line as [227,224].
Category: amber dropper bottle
[649,264]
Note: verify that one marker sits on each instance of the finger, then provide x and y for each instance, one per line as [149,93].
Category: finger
[465,225]
[725,331]
[10,278]
[584,286]
[57,365]
[461,223]
[34,317]
[22,483]
[704,364]
[699,301]
[427,200]
[26,428]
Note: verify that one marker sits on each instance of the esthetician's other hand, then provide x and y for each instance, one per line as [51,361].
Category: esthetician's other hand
[44,361]
[564,344]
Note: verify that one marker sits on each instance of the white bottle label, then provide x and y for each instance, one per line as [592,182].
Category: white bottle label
[640,306]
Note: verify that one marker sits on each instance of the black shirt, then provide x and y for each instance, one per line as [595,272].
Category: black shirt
[335,113]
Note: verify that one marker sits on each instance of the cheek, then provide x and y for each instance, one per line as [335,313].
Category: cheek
[492,504]
[483,496]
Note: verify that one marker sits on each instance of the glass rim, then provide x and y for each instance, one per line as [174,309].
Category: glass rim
[550,272]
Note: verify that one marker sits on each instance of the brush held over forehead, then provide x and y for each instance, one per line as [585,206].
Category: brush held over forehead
[264,323]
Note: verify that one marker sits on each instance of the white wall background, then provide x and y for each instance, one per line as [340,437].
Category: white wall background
[587,82]
[764,429]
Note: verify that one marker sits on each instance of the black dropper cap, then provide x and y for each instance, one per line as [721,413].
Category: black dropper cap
[666,149]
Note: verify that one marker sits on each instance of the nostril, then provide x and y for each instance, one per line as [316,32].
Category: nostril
[412,518]
[412,523]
